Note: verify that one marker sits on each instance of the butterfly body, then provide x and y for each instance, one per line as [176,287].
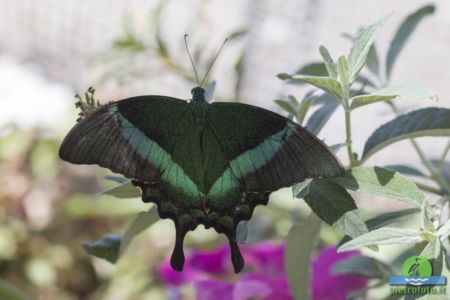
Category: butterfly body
[201,163]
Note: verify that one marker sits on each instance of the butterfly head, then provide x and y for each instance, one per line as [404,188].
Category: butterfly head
[198,94]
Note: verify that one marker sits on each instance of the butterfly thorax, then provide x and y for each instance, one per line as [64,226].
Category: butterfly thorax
[199,105]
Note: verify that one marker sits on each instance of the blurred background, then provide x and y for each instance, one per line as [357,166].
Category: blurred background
[50,50]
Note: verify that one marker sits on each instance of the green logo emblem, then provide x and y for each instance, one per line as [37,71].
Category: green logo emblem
[417,266]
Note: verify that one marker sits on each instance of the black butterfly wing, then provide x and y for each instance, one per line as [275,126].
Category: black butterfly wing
[134,136]
[267,151]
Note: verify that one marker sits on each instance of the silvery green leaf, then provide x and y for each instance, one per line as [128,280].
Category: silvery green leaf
[329,63]
[431,121]
[363,266]
[304,107]
[363,100]
[107,247]
[407,91]
[142,221]
[373,62]
[382,182]
[358,54]
[122,191]
[327,84]
[403,33]
[319,118]
[297,263]
[384,236]
[335,205]
[300,190]
[313,69]
[242,232]
[342,69]
[285,106]
[405,169]
[117,178]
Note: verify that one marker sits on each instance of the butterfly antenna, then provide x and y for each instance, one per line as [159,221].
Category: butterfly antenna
[190,57]
[213,61]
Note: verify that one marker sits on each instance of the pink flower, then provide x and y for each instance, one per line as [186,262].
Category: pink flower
[211,273]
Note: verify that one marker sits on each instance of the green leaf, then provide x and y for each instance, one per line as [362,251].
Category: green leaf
[373,62]
[383,236]
[304,108]
[408,91]
[107,247]
[297,263]
[334,205]
[329,63]
[403,33]
[343,75]
[313,69]
[384,219]
[285,106]
[358,54]
[117,178]
[430,121]
[8,292]
[404,169]
[390,217]
[327,84]
[301,189]
[122,191]
[320,117]
[363,100]
[363,266]
[242,232]
[142,221]
[382,182]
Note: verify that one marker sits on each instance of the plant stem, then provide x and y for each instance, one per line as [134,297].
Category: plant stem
[444,155]
[428,188]
[435,174]
[348,135]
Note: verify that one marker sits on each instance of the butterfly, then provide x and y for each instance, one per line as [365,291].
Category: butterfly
[199,162]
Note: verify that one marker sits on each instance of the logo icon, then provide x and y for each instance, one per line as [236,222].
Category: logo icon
[417,270]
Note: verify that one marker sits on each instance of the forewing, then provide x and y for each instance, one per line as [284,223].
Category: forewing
[267,151]
[134,136]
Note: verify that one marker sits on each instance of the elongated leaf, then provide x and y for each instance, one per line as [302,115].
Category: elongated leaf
[335,205]
[285,106]
[313,69]
[304,108]
[297,263]
[301,189]
[363,100]
[407,91]
[430,121]
[363,266]
[342,68]
[383,220]
[373,63]
[8,292]
[142,221]
[329,63]
[382,182]
[117,178]
[320,117]
[122,191]
[242,232]
[383,236]
[327,84]
[107,247]
[358,54]
[404,169]
[444,169]
[403,33]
